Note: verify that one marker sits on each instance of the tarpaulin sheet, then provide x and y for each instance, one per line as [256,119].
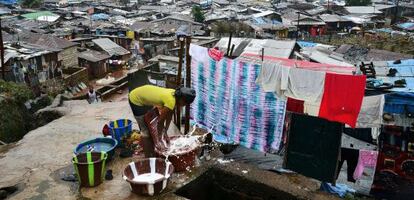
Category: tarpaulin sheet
[306,44]
[407,26]
[399,103]
[404,63]
[229,99]
[313,147]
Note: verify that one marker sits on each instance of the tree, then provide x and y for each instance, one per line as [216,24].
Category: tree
[198,14]
[358,2]
[31,3]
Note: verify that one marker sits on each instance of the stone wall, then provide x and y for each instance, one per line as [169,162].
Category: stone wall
[69,57]
[75,75]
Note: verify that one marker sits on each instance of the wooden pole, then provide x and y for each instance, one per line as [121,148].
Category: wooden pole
[297,27]
[262,54]
[187,82]
[3,71]
[229,44]
[232,49]
[180,68]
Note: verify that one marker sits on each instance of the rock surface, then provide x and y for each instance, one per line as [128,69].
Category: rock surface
[38,162]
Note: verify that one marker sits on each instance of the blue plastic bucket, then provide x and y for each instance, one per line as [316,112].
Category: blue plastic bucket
[100,144]
[120,128]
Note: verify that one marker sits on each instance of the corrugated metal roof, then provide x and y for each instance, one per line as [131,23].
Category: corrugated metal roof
[110,47]
[333,18]
[313,53]
[276,48]
[363,10]
[93,56]
[36,15]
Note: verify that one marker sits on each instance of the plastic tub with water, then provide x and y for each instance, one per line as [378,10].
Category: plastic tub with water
[148,176]
[99,144]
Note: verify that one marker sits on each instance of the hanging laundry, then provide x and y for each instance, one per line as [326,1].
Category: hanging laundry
[313,147]
[371,112]
[294,105]
[311,108]
[229,99]
[342,98]
[215,54]
[199,53]
[351,158]
[362,134]
[366,159]
[305,85]
[273,77]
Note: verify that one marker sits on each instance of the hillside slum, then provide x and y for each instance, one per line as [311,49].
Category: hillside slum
[292,100]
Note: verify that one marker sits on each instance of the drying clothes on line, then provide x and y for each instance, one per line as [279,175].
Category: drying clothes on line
[229,99]
[366,159]
[199,53]
[399,103]
[273,77]
[311,108]
[313,147]
[354,143]
[351,158]
[215,54]
[294,105]
[371,112]
[342,98]
[305,85]
[363,134]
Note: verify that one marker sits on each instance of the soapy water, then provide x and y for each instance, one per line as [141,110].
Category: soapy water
[184,144]
[96,147]
[148,178]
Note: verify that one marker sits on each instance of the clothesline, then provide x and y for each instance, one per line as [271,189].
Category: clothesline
[251,57]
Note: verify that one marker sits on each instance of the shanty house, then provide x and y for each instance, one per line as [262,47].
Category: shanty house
[95,62]
[67,50]
[111,48]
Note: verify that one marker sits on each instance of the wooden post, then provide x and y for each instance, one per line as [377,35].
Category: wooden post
[3,68]
[262,54]
[297,27]
[180,68]
[187,82]
[232,49]
[229,43]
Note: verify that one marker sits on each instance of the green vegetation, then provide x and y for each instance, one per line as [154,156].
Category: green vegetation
[198,14]
[223,28]
[397,43]
[31,3]
[14,115]
[358,2]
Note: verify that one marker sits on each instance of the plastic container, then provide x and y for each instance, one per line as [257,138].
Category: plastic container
[90,168]
[155,166]
[99,144]
[225,144]
[181,161]
[120,128]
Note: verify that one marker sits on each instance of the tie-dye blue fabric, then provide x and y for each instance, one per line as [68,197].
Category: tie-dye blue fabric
[229,98]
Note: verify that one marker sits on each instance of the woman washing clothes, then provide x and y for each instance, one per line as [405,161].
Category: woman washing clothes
[143,99]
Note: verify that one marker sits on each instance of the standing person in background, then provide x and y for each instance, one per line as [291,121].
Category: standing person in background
[144,98]
[92,95]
